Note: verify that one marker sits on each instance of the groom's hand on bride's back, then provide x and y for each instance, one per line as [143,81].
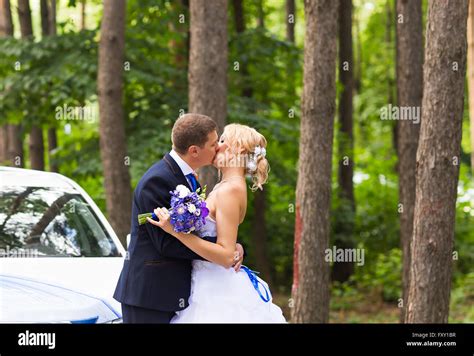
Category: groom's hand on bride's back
[238,257]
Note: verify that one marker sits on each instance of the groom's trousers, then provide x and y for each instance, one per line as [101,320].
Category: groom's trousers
[136,315]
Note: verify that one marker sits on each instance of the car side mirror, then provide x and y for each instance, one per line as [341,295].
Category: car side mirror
[128,240]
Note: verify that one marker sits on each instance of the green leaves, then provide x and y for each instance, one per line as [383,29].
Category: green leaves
[38,76]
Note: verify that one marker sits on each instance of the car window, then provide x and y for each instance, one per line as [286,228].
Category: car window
[44,221]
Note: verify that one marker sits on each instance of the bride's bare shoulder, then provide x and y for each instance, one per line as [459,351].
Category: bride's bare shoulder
[231,192]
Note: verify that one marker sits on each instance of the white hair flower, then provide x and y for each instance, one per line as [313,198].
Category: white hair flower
[260,151]
[252,165]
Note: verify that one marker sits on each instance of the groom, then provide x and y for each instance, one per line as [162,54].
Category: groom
[156,277]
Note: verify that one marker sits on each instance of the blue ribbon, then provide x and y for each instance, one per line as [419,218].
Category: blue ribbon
[253,278]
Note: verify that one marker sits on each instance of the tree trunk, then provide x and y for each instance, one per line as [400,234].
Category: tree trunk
[48,26]
[24,15]
[6,23]
[15,145]
[52,18]
[290,37]
[313,193]
[52,145]
[438,160]
[3,144]
[259,237]
[261,15]
[6,30]
[46,29]
[290,20]
[12,145]
[409,94]
[36,148]
[390,82]
[207,74]
[83,14]
[470,77]
[239,19]
[36,144]
[44,18]
[344,236]
[113,144]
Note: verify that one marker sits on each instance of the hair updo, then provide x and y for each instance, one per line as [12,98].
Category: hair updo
[243,140]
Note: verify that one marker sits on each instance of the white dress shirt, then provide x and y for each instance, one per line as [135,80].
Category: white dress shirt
[185,168]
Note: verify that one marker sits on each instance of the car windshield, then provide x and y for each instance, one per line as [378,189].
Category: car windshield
[50,222]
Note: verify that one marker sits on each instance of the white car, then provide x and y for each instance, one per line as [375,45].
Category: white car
[59,257]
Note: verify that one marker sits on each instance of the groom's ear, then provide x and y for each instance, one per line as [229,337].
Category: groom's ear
[193,150]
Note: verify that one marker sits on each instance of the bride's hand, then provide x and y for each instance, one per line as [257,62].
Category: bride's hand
[238,257]
[164,220]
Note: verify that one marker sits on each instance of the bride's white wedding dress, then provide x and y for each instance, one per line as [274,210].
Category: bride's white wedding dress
[220,295]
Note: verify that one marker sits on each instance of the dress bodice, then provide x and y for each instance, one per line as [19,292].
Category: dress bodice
[209,228]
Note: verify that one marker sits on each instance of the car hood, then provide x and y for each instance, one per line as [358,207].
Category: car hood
[35,301]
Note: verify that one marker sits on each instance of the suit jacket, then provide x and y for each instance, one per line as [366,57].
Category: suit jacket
[157,271]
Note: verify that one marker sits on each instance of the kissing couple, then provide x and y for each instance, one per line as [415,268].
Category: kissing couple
[198,277]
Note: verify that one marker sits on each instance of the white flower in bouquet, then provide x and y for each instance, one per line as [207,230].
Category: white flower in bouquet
[183,191]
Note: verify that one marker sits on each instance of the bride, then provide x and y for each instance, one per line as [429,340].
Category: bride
[219,294]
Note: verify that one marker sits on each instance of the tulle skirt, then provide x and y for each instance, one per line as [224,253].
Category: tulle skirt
[220,295]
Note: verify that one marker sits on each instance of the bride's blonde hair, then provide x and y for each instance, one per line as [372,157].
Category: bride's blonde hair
[244,140]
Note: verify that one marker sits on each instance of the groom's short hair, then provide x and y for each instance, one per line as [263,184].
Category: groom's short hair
[191,129]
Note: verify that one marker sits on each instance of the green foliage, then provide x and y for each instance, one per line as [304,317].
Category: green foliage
[462,299]
[38,76]
[382,277]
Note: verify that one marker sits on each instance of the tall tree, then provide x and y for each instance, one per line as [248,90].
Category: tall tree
[344,239]
[470,77]
[290,20]
[6,30]
[313,193]
[36,143]
[290,37]
[261,14]
[207,74]
[409,94]
[24,15]
[390,83]
[50,10]
[438,159]
[259,227]
[83,15]
[52,17]
[3,144]
[113,146]
[13,131]
[44,10]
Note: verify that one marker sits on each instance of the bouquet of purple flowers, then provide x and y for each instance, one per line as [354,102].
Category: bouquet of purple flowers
[188,210]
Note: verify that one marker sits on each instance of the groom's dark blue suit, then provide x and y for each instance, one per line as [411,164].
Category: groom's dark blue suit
[156,276]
